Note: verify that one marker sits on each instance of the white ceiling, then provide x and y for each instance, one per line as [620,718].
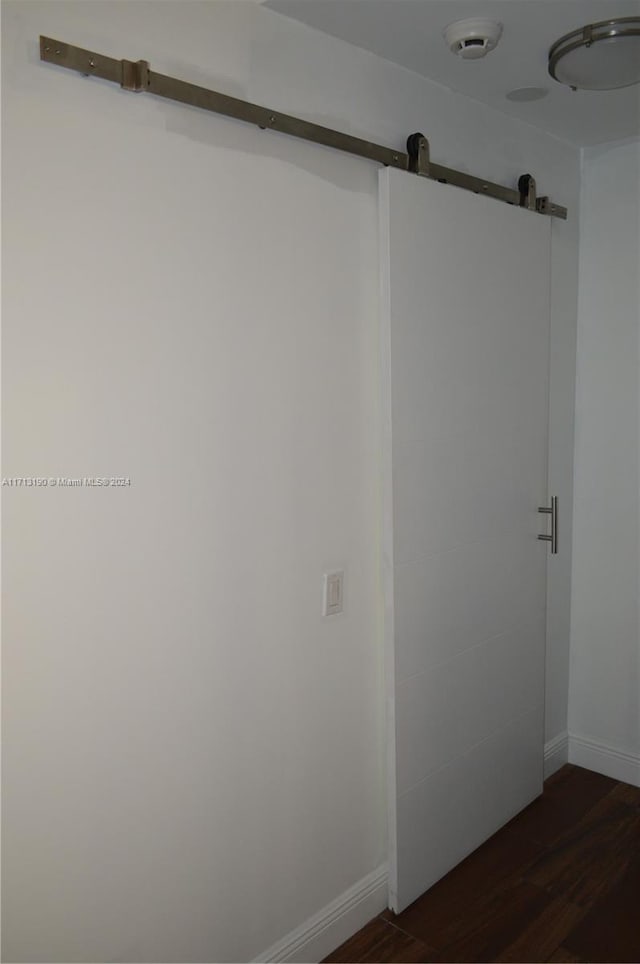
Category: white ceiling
[409,33]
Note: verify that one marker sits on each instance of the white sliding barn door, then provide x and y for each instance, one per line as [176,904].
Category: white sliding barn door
[465,343]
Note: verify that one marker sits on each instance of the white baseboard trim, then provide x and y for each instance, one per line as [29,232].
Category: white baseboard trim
[334,924]
[556,753]
[603,758]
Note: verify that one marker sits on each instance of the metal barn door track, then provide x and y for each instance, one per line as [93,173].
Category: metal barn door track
[137,76]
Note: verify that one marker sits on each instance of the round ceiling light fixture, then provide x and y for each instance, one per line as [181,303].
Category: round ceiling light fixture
[599,56]
[472,39]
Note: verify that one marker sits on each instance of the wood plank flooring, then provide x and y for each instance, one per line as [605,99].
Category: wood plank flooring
[561,882]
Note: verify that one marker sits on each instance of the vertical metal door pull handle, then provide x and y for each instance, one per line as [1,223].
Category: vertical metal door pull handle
[551,510]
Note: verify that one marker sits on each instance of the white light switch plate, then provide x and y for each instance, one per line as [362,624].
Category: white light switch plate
[333,592]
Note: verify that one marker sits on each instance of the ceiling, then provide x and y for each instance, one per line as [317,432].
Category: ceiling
[409,33]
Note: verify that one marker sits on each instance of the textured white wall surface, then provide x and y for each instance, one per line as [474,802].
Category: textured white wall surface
[605,641]
[194,759]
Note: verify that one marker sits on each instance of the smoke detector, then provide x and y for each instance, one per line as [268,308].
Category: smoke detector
[472,39]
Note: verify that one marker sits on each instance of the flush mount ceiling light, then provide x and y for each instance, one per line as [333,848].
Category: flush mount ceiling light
[600,56]
[472,39]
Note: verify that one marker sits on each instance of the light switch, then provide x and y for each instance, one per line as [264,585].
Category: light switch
[333,591]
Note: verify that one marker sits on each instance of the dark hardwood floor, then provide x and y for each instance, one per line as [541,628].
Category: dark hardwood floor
[561,882]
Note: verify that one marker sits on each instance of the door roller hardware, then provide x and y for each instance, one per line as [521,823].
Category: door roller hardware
[551,510]
[137,76]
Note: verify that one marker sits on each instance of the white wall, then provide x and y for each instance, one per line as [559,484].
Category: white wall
[193,759]
[605,640]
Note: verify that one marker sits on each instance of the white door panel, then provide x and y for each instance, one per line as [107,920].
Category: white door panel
[453,810]
[451,601]
[465,343]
